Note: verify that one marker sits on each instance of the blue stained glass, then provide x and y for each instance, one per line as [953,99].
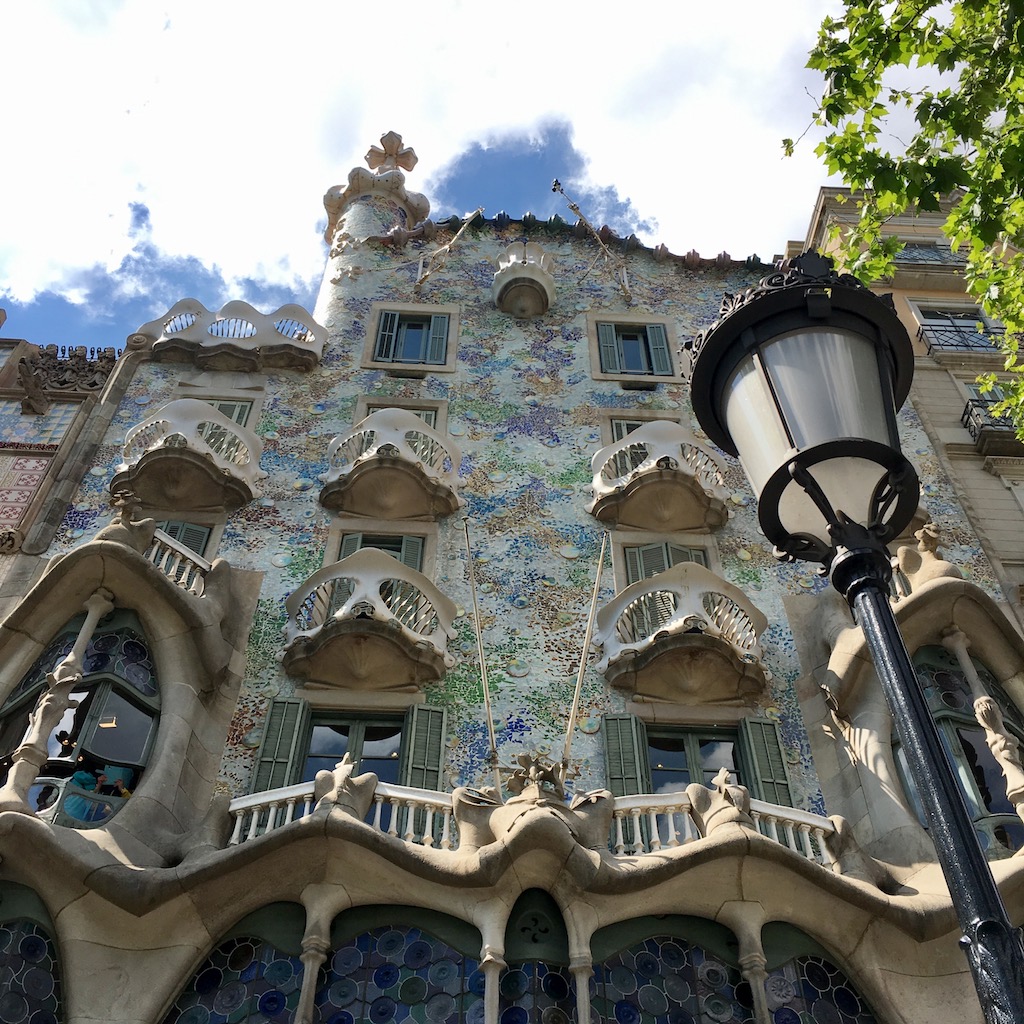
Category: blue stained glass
[28,965]
[810,988]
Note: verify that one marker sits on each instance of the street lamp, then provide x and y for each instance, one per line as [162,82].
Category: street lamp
[801,377]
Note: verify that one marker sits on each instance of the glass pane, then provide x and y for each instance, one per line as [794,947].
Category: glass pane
[380,753]
[715,754]
[633,352]
[985,770]
[327,746]
[121,731]
[412,341]
[669,767]
[64,737]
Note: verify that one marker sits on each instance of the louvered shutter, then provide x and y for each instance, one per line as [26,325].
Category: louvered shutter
[237,412]
[437,347]
[412,553]
[350,544]
[387,331]
[283,747]
[762,745]
[608,347]
[625,751]
[657,345]
[423,741]
[677,553]
[190,534]
[644,561]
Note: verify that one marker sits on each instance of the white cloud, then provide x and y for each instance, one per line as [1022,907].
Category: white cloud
[230,120]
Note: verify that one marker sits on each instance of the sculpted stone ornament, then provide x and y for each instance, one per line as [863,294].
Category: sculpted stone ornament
[538,795]
[123,529]
[726,804]
[925,562]
[35,403]
[340,789]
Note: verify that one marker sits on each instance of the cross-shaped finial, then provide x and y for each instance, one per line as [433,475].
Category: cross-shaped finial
[392,156]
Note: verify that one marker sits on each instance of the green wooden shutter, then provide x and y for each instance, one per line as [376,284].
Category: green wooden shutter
[412,552]
[625,751]
[423,742]
[284,744]
[387,332]
[763,748]
[644,561]
[657,345]
[350,544]
[678,553]
[608,347]
[437,347]
[192,535]
[237,412]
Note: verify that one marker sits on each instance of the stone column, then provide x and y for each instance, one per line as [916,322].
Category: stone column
[581,970]
[492,964]
[313,955]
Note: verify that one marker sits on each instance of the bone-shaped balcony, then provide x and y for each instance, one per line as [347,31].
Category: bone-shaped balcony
[368,622]
[659,477]
[684,636]
[392,465]
[188,456]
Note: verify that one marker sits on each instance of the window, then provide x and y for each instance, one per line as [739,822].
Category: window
[661,759]
[981,777]
[646,560]
[409,338]
[634,349]
[224,442]
[956,327]
[429,416]
[298,742]
[406,548]
[622,427]
[433,411]
[111,730]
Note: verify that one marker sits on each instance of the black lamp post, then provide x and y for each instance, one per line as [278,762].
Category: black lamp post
[801,378]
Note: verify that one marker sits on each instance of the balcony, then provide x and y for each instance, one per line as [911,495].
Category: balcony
[180,564]
[190,457]
[660,478]
[392,466]
[683,636]
[236,337]
[960,337]
[368,622]
[992,435]
[644,824]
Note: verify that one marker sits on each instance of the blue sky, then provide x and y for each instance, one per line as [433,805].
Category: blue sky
[163,151]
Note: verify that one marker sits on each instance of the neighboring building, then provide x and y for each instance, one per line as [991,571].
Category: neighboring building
[258,778]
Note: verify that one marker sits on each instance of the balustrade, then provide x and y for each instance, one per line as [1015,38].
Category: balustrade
[179,563]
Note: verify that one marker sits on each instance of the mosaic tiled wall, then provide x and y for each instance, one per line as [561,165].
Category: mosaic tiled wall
[523,407]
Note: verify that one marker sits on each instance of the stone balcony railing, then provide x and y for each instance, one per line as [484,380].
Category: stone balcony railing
[683,635]
[179,563]
[402,620]
[392,465]
[659,477]
[644,824]
[189,456]
[236,337]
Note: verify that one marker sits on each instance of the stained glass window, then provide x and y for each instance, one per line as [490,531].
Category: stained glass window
[244,979]
[536,992]
[29,976]
[395,974]
[809,988]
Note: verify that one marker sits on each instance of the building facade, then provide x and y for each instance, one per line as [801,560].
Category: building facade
[418,658]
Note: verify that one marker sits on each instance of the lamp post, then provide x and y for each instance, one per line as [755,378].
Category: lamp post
[801,377]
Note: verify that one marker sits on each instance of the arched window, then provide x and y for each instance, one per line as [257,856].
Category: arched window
[951,701]
[30,988]
[99,749]
[401,972]
[254,974]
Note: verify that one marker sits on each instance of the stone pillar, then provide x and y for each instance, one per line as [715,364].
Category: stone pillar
[581,970]
[492,964]
[313,956]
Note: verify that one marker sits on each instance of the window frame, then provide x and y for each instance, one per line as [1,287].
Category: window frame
[358,723]
[367,404]
[608,418]
[346,525]
[918,305]
[632,380]
[371,360]
[623,539]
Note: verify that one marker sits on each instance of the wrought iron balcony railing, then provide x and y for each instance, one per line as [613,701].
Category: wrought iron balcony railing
[962,337]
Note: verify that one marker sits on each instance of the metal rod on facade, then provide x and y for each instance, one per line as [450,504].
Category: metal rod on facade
[994,948]
[574,710]
[483,664]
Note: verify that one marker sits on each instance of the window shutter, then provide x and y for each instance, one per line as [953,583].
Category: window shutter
[423,741]
[657,344]
[438,344]
[625,751]
[350,544]
[237,412]
[608,348]
[190,534]
[677,553]
[387,331]
[653,559]
[283,747]
[763,748]
[412,553]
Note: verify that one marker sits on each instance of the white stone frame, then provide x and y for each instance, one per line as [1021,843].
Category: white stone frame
[605,417]
[629,538]
[223,386]
[439,405]
[343,524]
[631,381]
[451,310]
